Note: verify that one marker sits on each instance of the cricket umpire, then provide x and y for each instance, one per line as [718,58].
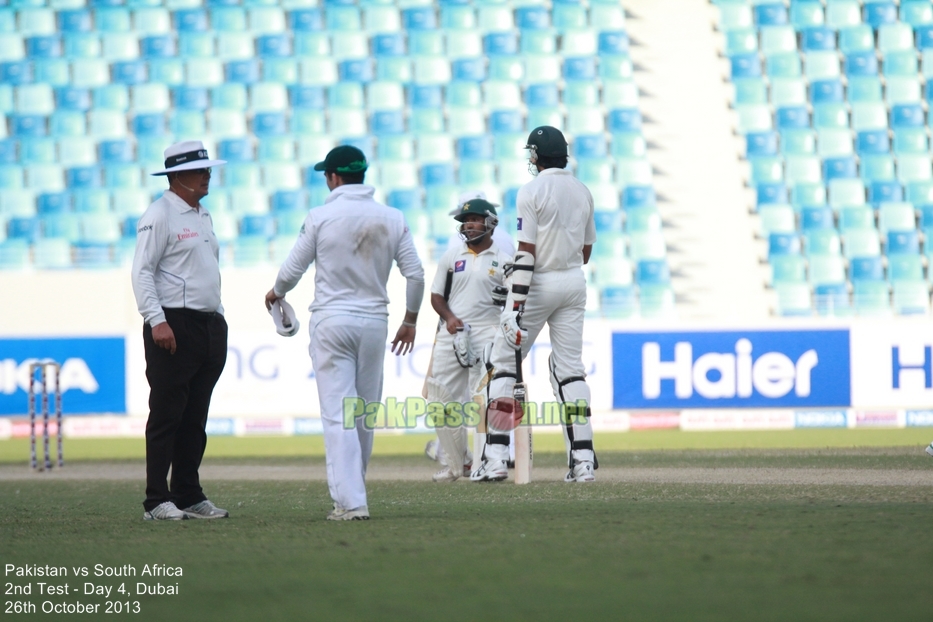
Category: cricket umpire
[556,233]
[353,241]
[176,280]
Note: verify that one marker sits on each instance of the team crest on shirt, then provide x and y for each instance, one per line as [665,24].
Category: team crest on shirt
[495,264]
[460,266]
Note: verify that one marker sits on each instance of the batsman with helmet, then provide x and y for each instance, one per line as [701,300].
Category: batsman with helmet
[556,233]
[468,294]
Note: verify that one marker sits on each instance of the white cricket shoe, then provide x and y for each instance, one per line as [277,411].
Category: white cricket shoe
[490,471]
[339,513]
[929,449]
[581,472]
[205,509]
[447,475]
[165,511]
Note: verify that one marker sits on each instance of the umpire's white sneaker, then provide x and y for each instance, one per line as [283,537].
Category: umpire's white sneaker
[581,472]
[929,449]
[165,511]
[205,509]
[339,513]
[490,471]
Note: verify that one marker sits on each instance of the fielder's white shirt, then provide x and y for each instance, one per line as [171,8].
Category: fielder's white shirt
[472,278]
[555,213]
[176,264]
[354,241]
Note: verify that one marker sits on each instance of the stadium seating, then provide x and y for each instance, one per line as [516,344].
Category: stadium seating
[830,99]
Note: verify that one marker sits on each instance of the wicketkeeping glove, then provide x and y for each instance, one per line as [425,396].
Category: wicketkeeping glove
[510,324]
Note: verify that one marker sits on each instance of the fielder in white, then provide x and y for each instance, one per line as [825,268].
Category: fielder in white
[353,240]
[465,295]
[556,233]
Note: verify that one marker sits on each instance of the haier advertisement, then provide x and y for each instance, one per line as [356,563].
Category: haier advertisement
[731,369]
[92,375]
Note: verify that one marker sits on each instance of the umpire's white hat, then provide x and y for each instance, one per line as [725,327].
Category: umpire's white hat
[185,156]
[467,196]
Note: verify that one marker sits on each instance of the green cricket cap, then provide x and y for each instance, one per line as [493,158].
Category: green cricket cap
[343,159]
[481,207]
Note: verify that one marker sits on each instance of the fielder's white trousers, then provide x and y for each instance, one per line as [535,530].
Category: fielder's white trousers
[347,352]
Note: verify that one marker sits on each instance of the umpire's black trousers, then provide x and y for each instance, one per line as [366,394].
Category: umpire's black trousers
[180,387]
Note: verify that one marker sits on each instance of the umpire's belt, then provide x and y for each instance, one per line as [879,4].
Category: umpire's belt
[194,314]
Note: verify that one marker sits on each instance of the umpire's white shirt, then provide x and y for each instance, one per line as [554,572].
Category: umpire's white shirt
[354,240]
[177,259]
[555,213]
[473,275]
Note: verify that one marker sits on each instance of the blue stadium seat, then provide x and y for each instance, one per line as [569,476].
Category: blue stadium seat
[790,117]
[872,142]
[425,96]
[468,69]
[499,43]
[8,153]
[289,200]
[861,64]
[387,122]
[818,38]
[474,148]
[745,66]
[273,46]
[924,37]
[43,46]
[613,42]
[770,14]
[907,242]
[49,203]
[771,193]
[783,244]
[190,98]
[24,228]
[190,20]
[74,20]
[406,199]
[580,68]
[907,115]
[822,91]
[82,177]
[128,72]
[27,125]
[355,70]
[419,18]
[148,124]
[624,120]
[116,151]
[306,20]
[879,13]
[269,124]
[761,143]
[841,167]
[15,73]
[638,196]
[816,218]
[505,121]
[650,271]
[71,98]
[831,299]
[242,71]
[885,191]
[235,150]
[438,174]
[388,44]
[157,46]
[866,269]
[310,97]
[542,96]
[257,224]
[532,18]
[589,146]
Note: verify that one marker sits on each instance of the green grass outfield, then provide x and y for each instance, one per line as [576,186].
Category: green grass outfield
[612,550]
[17,450]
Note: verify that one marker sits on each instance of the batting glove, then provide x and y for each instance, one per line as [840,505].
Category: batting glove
[510,324]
